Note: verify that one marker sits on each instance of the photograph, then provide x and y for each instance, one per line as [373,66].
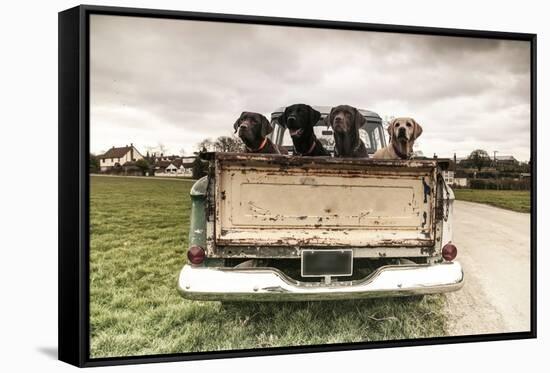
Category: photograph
[261,186]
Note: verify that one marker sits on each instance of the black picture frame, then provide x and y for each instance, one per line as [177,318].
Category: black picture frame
[73,250]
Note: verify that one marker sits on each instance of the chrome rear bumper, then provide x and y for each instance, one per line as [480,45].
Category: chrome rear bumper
[270,284]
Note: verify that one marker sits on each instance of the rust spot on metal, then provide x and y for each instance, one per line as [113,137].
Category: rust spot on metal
[252,218]
[430,250]
[427,190]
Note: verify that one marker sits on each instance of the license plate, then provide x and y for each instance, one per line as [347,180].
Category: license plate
[332,262]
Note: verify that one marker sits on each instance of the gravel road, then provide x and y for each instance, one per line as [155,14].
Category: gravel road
[494,250]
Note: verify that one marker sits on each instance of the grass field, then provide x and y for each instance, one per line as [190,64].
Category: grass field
[516,200]
[138,241]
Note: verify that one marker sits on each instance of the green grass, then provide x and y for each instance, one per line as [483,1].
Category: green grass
[138,240]
[516,200]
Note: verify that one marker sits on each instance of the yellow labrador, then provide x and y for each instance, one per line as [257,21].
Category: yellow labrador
[403,131]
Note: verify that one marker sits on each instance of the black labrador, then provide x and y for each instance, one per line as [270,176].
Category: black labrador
[345,121]
[299,119]
[253,128]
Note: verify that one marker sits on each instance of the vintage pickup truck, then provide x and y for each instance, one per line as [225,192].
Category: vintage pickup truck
[282,228]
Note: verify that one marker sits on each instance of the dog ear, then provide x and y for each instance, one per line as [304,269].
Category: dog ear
[417,129]
[267,128]
[390,128]
[238,121]
[314,115]
[326,121]
[329,118]
[359,119]
[282,119]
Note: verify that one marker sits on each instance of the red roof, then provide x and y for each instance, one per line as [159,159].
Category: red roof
[116,152]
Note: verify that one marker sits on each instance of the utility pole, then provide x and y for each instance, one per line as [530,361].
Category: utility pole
[454,159]
[495,163]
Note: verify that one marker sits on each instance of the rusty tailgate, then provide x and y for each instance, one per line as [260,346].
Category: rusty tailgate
[268,200]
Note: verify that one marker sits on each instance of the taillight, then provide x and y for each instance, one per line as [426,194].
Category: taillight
[449,252]
[196,255]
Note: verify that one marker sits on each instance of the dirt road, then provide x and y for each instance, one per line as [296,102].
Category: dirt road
[494,249]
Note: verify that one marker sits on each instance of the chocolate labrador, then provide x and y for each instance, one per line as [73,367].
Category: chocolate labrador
[253,128]
[300,119]
[346,121]
[403,132]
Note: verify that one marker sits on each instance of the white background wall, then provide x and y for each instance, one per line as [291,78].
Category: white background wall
[28,208]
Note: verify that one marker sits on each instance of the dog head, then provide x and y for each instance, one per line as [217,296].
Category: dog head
[299,119]
[345,119]
[404,130]
[252,127]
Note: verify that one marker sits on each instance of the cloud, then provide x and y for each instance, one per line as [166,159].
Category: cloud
[177,82]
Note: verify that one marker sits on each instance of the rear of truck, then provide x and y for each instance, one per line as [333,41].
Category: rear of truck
[277,228]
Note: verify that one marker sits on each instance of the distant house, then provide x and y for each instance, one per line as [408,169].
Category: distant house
[162,157]
[171,169]
[506,160]
[118,157]
[131,169]
[160,166]
[450,179]
[448,176]
[460,181]
[182,166]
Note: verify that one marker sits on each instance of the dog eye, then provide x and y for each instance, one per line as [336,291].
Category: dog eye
[397,124]
[409,124]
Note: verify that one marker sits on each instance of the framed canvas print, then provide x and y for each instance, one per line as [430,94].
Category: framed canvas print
[233,186]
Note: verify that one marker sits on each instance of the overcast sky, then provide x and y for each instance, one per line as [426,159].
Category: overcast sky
[177,82]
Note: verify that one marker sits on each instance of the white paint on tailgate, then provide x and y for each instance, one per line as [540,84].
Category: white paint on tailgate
[333,202]
[322,207]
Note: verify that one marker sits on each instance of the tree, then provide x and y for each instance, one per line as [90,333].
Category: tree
[94,164]
[143,165]
[161,148]
[228,144]
[221,144]
[479,159]
[182,152]
[199,168]
[206,145]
